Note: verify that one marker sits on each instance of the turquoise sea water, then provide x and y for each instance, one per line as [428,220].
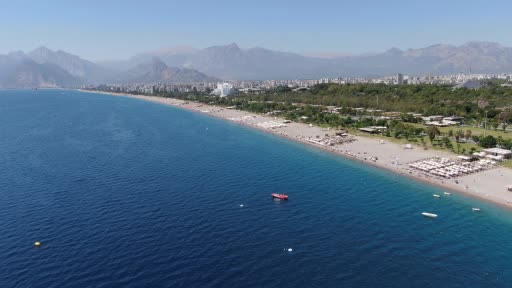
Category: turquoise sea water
[127,193]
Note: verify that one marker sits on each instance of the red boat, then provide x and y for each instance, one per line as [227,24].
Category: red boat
[280,196]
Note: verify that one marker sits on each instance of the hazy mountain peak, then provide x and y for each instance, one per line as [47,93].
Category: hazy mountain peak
[42,49]
[483,44]
[19,70]
[73,64]
[17,55]
[155,70]
[157,62]
[394,50]
[231,62]
[232,46]
[437,46]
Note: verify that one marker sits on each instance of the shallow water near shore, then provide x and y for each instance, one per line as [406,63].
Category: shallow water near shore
[127,193]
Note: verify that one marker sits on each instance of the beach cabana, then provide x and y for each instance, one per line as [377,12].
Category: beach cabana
[368,130]
[464,158]
[498,152]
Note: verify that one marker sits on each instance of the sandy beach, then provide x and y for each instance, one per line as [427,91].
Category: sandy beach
[489,185]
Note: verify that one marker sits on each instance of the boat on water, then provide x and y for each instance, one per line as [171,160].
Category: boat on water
[476,209]
[437,195]
[430,215]
[447,193]
[279,196]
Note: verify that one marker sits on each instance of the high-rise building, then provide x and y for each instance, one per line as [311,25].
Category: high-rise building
[400,79]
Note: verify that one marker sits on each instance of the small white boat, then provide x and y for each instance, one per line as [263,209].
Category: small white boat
[437,195]
[476,209]
[430,215]
[447,193]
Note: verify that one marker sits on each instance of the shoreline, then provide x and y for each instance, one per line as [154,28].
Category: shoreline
[484,185]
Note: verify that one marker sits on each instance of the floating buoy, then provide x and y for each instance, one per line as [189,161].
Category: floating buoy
[37,244]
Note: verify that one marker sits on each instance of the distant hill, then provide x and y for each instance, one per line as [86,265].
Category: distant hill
[156,70]
[232,62]
[45,67]
[87,71]
[17,70]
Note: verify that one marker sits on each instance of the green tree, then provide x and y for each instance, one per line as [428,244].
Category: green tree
[468,134]
[495,125]
[432,132]
[488,141]
[447,143]
[459,134]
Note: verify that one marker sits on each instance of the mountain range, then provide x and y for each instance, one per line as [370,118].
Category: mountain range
[232,62]
[45,67]
[155,70]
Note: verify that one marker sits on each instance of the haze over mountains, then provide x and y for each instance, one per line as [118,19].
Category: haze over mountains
[45,67]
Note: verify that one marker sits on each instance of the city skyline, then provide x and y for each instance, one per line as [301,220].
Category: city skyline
[120,29]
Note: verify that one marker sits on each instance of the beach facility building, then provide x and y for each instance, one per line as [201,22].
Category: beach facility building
[373,129]
[455,119]
[442,123]
[391,115]
[433,118]
[464,158]
[497,154]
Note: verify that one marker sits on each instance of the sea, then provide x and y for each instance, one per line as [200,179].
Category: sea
[122,192]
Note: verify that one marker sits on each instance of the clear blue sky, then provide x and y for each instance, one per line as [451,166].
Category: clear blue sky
[100,30]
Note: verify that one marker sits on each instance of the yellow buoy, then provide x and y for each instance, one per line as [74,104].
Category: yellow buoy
[37,244]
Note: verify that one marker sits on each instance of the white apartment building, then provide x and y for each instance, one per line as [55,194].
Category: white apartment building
[223,90]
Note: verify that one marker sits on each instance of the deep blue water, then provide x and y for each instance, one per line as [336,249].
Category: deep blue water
[127,193]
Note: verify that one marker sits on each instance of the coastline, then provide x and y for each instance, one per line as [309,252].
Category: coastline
[489,185]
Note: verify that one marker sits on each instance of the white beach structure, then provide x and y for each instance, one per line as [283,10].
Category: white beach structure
[442,123]
[497,153]
[464,158]
[223,90]
[448,168]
